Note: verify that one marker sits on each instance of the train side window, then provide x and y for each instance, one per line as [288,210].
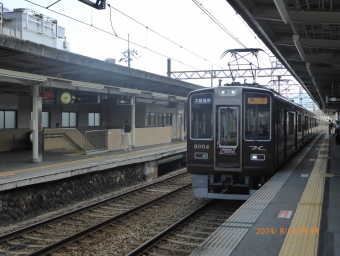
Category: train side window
[257,117]
[299,123]
[306,123]
[201,116]
[291,122]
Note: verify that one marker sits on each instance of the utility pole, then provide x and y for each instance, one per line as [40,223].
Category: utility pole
[127,54]
[129,50]
[169,67]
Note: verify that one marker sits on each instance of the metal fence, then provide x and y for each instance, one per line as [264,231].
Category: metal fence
[95,141]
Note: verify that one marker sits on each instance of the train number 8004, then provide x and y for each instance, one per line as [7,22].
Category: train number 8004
[201,146]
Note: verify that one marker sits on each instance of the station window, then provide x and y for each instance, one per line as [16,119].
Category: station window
[94,119]
[69,119]
[8,119]
[167,119]
[151,119]
[158,119]
[45,118]
[147,118]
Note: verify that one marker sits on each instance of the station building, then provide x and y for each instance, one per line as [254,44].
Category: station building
[51,98]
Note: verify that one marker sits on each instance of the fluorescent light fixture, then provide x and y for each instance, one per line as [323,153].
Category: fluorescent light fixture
[309,68]
[130,91]
[179,98]
[144,100]
[160,95]
[281,7]
[296,40]
[314,82]
[87,85]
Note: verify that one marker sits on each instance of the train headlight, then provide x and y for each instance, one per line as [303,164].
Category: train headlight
[201,155]
[257,157]
[228,92]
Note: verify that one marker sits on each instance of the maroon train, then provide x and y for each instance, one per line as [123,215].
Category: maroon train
[239,135]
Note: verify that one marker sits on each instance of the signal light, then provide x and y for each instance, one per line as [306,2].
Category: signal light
[257,157]
[201,155]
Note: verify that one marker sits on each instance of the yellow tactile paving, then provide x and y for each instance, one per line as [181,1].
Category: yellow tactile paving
[305,226]
[41,167]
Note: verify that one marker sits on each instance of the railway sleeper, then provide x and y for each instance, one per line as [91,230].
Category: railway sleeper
[174,249]
[182,243]
[189,237]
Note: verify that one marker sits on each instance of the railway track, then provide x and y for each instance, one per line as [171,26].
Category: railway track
[184,236]
[59,232]
[174,226]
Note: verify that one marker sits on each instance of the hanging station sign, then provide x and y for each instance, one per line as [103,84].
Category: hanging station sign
[92,98]
[333,99]
[48,97]
[124,101]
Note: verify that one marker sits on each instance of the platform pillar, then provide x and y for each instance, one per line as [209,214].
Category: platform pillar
[34,125]
[133,125]
[180,111]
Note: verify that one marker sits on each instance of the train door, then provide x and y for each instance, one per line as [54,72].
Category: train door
[277,133]
[228,152]
[296,130]
[285,134]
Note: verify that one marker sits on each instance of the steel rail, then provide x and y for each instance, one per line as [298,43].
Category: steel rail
[156,239]
[75,237]
[88,207]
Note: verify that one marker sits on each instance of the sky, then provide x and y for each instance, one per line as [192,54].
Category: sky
[157,29]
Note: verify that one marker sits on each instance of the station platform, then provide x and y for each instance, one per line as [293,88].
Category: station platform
[295,213]
[17,170]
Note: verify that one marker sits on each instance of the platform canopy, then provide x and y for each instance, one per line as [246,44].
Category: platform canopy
[24,63]
[304,36]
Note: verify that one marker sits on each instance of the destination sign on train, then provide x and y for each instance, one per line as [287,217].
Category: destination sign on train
[257,100]
[203,101]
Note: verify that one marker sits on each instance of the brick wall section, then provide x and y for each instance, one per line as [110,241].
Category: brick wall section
[144,137]
[20,140]
[153,135]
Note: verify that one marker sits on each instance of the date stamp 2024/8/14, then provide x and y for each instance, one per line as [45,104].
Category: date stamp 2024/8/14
[285,231]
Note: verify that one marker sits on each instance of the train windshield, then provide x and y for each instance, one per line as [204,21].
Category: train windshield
[228,127]
[257,121]
[201,116]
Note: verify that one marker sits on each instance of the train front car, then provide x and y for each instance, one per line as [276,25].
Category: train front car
[230,149]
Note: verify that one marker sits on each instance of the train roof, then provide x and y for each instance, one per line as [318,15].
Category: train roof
[259,87]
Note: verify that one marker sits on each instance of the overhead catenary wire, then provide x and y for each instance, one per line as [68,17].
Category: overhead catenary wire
[224,29]
[164,37]
[52,4]
[111,22]
[218,23]
[158,53]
